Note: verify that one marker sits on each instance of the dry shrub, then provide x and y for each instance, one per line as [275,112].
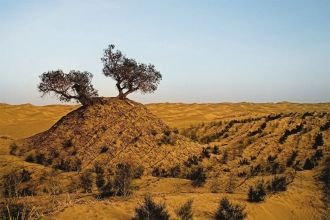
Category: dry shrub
[151,210]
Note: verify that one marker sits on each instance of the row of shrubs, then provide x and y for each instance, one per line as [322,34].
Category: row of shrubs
[259,191]
[149,209]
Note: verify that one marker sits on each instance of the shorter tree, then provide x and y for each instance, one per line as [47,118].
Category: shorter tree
[74,85]
[129,75]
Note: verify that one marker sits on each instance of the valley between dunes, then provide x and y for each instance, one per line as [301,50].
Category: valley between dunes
[303,199]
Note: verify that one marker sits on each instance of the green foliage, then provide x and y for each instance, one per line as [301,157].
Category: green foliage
[229,211]
[185,211]
[150,210]
[257,193]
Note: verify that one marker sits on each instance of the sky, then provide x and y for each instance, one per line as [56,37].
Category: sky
[206,50]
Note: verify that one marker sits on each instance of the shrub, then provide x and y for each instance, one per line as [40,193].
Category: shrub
[325,175]
[292,158]
[244,161]
[318,140]
[185,211]
[100,181]
[175,171]
[257,193]
[206,153]
[67,144]
[229,211]
[120,184]
[11,184]
[104,149]
[197,176]
[71,164]
[123,179]
[30,158]
[98,168]
[215,149]
[224,158]
[86,181]
[192,160]
[309,164]
[13,149]
[138,172]
[150,210]
[318,154]
[14,210]
[277,184]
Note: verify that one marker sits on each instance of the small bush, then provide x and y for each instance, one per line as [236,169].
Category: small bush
[215,149]
[98,168]
[244,161]
[120,184]
[67,144]
[206,152]
[292,158]
[318,154]
[325,175]
[86,181]
[19,211]
[309,164]
[138,172]
[318,140]
[175,171]
[277,184]
[30,158]
[150,210]
[257,193]
[100,181]
[104,149]
[192,160]
[224,158]
[13,149]
[185,211]
[197,176]
[229,211]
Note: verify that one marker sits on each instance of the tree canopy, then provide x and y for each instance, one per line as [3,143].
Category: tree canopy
[74,85]
[129,75]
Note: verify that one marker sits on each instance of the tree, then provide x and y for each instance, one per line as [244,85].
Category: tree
[74,85]
[129,75]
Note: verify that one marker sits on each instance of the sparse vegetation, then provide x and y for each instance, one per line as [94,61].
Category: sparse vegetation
[150,210]
[229,211]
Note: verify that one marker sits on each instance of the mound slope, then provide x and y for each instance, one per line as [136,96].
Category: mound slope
[108,132]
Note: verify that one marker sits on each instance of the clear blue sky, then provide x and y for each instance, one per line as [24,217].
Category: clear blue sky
[207,51]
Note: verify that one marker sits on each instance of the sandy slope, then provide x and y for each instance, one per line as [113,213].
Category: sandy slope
[302,200]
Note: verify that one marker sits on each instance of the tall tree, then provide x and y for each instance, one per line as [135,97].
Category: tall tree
[74,85]
[129,75]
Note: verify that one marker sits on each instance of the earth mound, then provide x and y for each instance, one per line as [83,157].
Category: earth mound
[108,132]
